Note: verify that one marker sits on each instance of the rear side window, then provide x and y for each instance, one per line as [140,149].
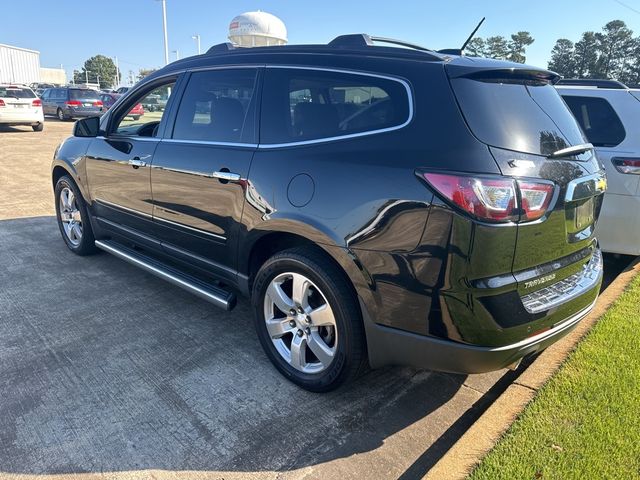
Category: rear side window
[83,94]
[16,92]
[214,106]
[302,105]
[598,120]
[522,115]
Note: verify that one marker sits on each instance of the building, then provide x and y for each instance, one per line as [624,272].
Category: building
[19,65]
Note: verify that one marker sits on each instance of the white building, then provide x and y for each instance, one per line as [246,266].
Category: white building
[19,65]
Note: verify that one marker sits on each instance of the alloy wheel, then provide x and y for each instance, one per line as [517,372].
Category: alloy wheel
[300,322]
[70,216]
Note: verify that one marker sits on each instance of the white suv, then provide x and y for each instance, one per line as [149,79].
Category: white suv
[20,106]
[609,114]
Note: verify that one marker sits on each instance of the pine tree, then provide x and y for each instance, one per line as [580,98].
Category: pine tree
[586,56]
[497,47]
[517,46]
[562,58]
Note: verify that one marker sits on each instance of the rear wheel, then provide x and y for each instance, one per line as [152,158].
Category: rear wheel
[73,218]
[60,115]
[38,128]
[308,320]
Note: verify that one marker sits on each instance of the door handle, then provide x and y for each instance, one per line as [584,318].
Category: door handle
[228,176]
[135,162]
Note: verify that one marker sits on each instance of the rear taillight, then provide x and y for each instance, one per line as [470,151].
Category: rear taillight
[73,103]
[2,104]
[494,199]
[36,103]
[627,165]
[97,103]
[535,199]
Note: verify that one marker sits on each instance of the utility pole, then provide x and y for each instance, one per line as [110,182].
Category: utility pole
[86,76]
[177,52]
[117,73]
[196,37]
[164,28]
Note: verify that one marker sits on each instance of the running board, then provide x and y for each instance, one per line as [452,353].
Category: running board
[216,295]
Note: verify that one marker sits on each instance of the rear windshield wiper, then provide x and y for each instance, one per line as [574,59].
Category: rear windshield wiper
[569,151]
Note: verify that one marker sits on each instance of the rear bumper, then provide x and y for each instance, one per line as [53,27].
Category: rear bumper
[28,118]
[389,346]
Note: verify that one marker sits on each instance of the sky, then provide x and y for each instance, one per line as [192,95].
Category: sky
[67,32]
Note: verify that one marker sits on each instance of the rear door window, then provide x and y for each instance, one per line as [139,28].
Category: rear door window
[215,106]
[598,120]
[517,114]
[304,105]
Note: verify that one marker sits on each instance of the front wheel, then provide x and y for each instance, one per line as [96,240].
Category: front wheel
[38,128]
[73,218]
[308,320]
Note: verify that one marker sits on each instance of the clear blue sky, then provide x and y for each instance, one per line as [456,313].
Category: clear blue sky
[68,32]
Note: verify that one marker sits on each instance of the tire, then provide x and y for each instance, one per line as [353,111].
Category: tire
[60,115]
[342,354]
[75,227]
[38,128]
[135,117]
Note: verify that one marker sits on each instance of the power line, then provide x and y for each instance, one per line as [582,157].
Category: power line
[627,6]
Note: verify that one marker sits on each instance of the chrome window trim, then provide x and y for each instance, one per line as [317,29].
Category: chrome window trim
[349,135]
[127,137]
[209,142]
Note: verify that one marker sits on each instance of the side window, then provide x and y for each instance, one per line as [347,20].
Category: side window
[214,105]
[598,120]
[142,117]
[301,105]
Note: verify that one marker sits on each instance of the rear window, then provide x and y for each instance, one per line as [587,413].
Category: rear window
[526,116]
[83,95]
[302,105]
[16,92]
[598,120]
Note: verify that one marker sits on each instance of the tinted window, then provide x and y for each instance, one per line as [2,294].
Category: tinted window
[141,116]
[16,92]
[215,105]
[83,94]
[525,116]
[598,120]
[301,105]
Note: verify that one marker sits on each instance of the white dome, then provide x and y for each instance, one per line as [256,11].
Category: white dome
[257,29]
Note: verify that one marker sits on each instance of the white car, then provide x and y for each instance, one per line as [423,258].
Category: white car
[609,114]
[20,106]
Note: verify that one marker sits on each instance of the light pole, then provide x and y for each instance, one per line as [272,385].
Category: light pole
[196,37]
[98,81]
[164,28]
[177,52]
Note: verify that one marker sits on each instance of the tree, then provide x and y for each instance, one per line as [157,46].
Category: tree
[586,56]
[562,58]
[614,46]
[518,45]
[96,67]
[145,72]
[476,48]
[497,47]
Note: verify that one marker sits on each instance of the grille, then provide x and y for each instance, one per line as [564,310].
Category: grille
[564,290]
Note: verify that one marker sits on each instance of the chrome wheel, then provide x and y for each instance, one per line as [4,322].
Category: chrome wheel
[60,115]
[300,322]
[70,216]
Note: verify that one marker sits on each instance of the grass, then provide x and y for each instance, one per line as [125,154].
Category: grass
[585,423]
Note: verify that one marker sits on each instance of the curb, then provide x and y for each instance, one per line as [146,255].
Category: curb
[482,436]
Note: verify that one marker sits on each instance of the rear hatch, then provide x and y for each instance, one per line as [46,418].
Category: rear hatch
[529,130]
[18,101]
[84,99]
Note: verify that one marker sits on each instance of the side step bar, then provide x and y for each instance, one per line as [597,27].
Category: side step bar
[216,295]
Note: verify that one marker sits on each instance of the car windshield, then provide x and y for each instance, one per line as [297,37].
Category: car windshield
[16,92]
[84,94]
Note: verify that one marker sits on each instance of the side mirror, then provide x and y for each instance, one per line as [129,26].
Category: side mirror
[87,127]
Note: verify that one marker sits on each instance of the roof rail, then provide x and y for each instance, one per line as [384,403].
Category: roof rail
[364,40]
[592,82]
[221,48]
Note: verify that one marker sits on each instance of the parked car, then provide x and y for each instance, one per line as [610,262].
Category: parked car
[108,99]
[609,114]
[20,106]
[68,103]
[409,207]
[122,90]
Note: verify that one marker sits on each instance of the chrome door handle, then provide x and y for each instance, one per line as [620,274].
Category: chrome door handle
[136,163]
[228,176]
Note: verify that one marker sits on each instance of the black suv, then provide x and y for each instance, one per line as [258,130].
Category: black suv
[379,205]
